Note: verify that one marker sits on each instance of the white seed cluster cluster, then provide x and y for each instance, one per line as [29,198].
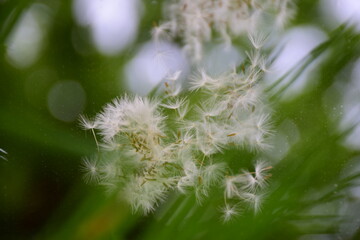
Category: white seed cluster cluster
[196,21]
[246,187]
[152,146]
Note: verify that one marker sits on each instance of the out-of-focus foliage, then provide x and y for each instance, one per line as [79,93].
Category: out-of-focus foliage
[311,195]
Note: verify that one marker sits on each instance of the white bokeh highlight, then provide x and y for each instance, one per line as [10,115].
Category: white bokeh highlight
[340,11]
[113,23]
[219,59]
[151,64]
[26,41]
[296,44]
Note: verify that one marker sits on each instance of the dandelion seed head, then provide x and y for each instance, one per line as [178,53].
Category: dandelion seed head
[257,39]
[175,104]
[261,172]
[162,32]
[248,181]
[144,195]
[200,80]
[91,170]
[109,170]
[212,174]
[229,212]
[231,188]
[129,115]
[183,109]
[257,203]
[86,123]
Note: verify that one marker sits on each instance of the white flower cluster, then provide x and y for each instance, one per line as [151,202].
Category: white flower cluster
[195,21]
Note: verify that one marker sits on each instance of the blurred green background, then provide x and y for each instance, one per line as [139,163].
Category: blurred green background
[55,65]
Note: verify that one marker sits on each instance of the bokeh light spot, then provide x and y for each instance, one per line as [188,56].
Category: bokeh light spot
[152,63]
[66,100]
[113,23]
[296,45]
[26,40]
